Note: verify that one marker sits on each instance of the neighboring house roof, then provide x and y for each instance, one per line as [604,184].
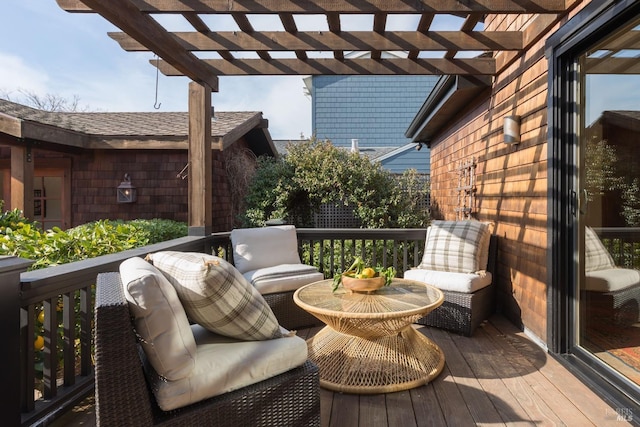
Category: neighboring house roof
[376,153]
[135,130]
[627,119]
[396,151]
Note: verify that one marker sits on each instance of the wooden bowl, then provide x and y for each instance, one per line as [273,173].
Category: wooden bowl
[363,285]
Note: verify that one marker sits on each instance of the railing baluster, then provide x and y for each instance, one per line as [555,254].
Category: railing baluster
[321,257]
[86,336]
[27,367]
[331,258]
[68,337]
[405,255]
[50,352]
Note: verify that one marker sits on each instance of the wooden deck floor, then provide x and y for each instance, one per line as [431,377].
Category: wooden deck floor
[497,377]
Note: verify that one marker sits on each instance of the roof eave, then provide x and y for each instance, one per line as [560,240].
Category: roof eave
[449,96]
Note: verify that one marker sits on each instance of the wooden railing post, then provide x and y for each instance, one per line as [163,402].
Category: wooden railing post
[10,270]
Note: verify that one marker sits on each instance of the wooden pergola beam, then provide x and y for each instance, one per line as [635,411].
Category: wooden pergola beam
[200,161]
[281,41]
[325,6]
[332,66]
[147,31]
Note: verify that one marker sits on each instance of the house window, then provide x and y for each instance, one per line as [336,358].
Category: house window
[609,203]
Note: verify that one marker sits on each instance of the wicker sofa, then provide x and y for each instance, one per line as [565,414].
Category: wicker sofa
[124,397]
[462,311]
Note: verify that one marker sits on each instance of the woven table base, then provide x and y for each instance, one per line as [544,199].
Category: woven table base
[387,364]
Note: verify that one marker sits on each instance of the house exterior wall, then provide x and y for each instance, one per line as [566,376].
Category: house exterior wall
[96,174]
[376,110]
[511,180]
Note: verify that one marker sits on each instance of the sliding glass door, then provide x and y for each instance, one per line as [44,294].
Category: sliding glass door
[608,201]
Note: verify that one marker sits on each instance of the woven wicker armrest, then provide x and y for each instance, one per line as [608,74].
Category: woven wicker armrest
[123,396]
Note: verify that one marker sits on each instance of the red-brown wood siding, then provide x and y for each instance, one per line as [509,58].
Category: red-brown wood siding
[511,179]
[96,174]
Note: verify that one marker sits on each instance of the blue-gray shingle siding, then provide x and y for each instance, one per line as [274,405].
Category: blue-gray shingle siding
[376,110]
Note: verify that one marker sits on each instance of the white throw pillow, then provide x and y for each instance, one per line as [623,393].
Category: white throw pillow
[215,295]
[255,248]
[160,319]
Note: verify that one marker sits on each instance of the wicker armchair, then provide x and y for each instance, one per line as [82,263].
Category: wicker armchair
[462,312]
[268,258]
[123,396]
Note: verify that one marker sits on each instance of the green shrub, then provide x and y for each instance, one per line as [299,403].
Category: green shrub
[316,172]
[161,230]
[22,237]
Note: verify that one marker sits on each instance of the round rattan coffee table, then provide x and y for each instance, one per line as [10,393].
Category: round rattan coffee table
[369,345]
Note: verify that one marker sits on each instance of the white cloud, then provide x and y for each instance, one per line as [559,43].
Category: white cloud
[16,75]
[280,99]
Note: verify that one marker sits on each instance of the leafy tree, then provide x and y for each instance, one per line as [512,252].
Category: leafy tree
[600,163]
[316,172]
[631,203]
[606,174]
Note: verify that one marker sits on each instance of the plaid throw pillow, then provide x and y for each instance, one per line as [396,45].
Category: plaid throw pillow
[215,295]
[456,246]
[596,256]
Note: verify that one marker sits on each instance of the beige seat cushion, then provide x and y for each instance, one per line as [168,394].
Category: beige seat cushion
[160,319]
[224,364]
[450,281]
[215,295]
[282,278]
[611,279]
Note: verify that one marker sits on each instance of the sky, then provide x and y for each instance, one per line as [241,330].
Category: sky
[47,51]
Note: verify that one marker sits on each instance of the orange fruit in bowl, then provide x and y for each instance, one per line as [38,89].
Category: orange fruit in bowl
[368,273]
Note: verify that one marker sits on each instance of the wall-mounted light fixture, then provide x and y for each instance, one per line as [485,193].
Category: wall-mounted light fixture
[127,193]
[419,146]
[511,129]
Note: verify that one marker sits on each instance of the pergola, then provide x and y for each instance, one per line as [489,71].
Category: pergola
[205,53]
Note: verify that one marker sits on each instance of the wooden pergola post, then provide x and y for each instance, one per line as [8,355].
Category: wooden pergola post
[22,180]
[200,160]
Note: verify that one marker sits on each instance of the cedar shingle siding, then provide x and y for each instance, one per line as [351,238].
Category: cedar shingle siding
[511,180]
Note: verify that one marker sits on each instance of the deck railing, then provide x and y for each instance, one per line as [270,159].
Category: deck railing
[623,243]
[41,384]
